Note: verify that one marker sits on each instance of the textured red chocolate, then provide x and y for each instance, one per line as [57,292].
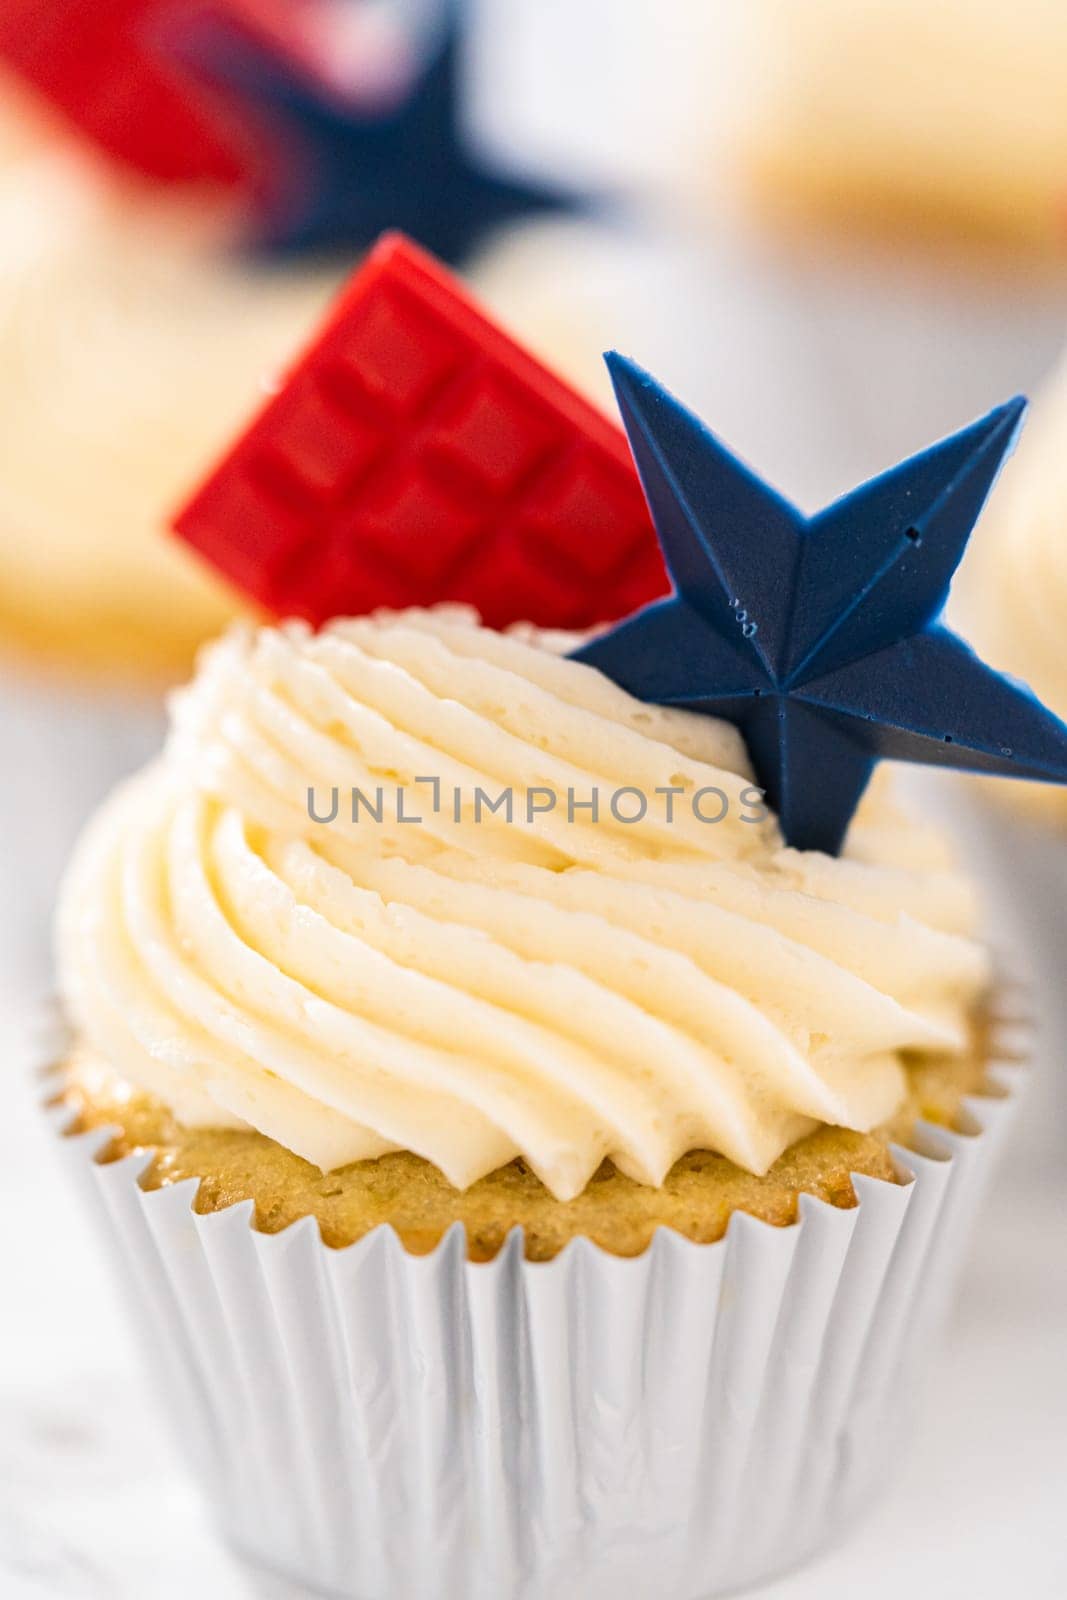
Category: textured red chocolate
[104,66]
[415,454]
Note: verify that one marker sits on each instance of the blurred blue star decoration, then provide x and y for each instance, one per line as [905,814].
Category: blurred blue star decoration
[818,637]
[360,164]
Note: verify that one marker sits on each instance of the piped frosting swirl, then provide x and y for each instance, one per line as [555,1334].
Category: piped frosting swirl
[472,988]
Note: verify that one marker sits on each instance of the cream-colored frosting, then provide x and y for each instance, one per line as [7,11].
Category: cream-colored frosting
[1011,596]
[564,990]
[132,346]
[951,115]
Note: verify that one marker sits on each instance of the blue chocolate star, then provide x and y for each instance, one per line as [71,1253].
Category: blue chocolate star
[818,636]
[359,171]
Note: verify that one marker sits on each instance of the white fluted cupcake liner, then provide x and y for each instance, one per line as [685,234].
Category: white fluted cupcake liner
[388,1427]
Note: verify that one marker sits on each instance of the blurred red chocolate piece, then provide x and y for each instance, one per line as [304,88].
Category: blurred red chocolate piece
[106,67]
[415,454]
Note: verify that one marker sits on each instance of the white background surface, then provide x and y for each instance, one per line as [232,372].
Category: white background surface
[821,379]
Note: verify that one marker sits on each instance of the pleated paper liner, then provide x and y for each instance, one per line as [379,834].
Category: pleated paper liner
[383,1426]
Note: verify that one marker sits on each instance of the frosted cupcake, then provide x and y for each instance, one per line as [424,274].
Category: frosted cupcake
[597,1048]
[129,338]
[129,342]
[899,169]
[139,329]
[499,1108]
[1013,600]
[1013,591]
[907,119]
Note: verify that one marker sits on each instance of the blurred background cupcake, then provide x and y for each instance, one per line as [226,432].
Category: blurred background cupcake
[908,160]
[1013,586]
[127,342]
[845,334]
[909,121]
[150,290]
[130,345]
[1012,598]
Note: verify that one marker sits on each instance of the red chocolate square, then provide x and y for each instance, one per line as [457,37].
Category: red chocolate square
[416,454]
[493,431]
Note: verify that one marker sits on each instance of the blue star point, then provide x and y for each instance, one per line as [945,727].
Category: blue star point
[819,636]
[357,171]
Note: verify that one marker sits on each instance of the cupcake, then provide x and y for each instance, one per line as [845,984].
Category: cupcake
[439,1044]
[536,1160]
[1013,587]
[1013,601]
[130,344]
[142,321]
[159,263]
[130,339]
[906,119]
[896,174]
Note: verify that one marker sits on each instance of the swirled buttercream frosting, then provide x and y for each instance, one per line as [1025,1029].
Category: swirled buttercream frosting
[407,883]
